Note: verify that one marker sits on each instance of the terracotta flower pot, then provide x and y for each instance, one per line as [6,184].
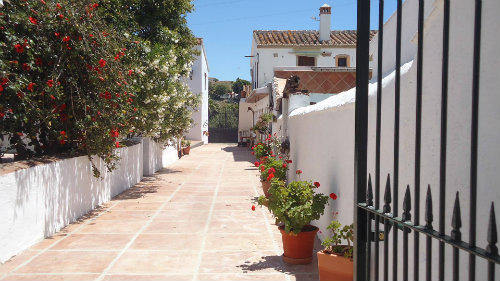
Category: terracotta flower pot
[298,249]
[265,187]
[334,267]
[186,150]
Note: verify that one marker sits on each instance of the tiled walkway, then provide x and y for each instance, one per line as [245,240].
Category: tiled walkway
[192,221]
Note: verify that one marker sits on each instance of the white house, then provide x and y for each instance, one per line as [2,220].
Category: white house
[198,83]
[324,60]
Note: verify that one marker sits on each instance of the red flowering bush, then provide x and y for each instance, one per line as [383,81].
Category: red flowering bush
[262,150]
[273,168]
[70,81]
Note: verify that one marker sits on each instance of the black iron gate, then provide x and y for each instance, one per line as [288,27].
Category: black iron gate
[368,211]
[223,123]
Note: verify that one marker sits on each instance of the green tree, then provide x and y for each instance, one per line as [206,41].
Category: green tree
[220,90]
[238,85]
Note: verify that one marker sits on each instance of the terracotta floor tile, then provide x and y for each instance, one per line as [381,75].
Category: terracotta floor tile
[94,241]
[240,262]
[242,277]
[218,225]
[16,261]
[147,262]
[58,277]
[241,242]
[171,242]
[127,215]
[137,206]
[112,226]
[173,277]
[68,262]
[179,226]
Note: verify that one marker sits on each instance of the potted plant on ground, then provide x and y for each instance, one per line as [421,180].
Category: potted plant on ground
[186,146]
[270,169]
[335,261]
[261,150]
[295,205]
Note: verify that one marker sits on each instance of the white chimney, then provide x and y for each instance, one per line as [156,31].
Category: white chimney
[325,18]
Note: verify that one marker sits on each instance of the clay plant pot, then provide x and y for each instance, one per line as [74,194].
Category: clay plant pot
[334,267]
[265,187]
[298,249]
[186,150]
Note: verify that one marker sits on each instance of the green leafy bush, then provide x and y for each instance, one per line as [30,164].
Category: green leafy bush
[332,244]
[273,168]
[295,205]
[261,150]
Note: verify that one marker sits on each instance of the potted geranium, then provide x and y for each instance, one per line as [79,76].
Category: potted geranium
[335,261]
[271,168]
[261,150]
[186,146]
[295,205]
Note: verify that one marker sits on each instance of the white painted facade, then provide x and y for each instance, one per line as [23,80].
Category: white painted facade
[322,135]
[198,83]
[38,201]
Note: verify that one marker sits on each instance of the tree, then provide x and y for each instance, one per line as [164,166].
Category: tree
[220,90]
[238,85]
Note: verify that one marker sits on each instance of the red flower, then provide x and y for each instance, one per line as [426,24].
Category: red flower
[66,38]
[58,6]
[284,165]
[270,177]
[52,97]
[256,164]
[20,95]
[289,161]
[38,61]
[253,207]
[272,170]
[62,141]
[262,168]
[2,115]
[33,20]
[26,67]
[298,172]
[333,196]
[95,5]
[30,86]
[253,153]
[61,16]
[316,184]
[57,34]
[20,134]
[43,2]
[50,83]
[63,133]
[130,72]
[114,133]
[102,62]
[19,48]
[4,81]
[117,144]
[1,88]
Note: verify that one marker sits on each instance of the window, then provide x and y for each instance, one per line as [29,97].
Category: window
[306,61]
[342,61]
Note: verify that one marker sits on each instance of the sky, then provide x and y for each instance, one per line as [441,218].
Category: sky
[226,26]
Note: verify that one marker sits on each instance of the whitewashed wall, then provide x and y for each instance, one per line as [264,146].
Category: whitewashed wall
[322,135]
[157,156]
[37,202]
[199,86]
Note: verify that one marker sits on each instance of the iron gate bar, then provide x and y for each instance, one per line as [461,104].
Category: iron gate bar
[461,245]
[428,225]
[397,92]
[456,235]
[474,131]
[444,130]
[361,136]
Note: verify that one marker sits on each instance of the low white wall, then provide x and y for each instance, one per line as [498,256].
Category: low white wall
[38,201]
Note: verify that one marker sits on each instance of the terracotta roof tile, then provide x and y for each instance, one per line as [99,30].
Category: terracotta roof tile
[305,38]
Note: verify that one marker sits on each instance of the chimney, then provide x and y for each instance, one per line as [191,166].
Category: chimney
[325,15]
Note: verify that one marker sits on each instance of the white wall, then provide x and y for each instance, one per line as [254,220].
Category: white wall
[322,135]
[245,116]
[157,156]
[38,201]
[199,86]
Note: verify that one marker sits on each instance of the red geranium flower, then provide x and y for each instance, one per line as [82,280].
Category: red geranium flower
[102,62]
[316,184]
[61,16]
[333,196]
[270,177]
[256,164]
[30,86]
[57,34]
[2,115]
[130,72]
[58,6]
[63,141]
[289,161]
[38,61]
[4,81]
[66,38]
[20,95]
[50,83]
[117,144]
[298,172]
[262,168]
[20,134]
[63,133]
[26,67]
[33,20]
[253,207]
[272,170]
[1,88]
[19,48]
[284,165]
[253,153]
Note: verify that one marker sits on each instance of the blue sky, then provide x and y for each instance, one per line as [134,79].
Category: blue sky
[226,26]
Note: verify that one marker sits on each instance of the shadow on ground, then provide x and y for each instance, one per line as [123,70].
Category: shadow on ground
[240,154]
[301,272]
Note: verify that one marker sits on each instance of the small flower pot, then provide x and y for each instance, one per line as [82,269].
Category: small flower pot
[298,249]
[265,187]
[186,150]
[334,267]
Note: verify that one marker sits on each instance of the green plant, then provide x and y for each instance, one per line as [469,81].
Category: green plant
[273,168]
[340,233]
[185,143]
[267,117]
[295,205]
[261,150]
